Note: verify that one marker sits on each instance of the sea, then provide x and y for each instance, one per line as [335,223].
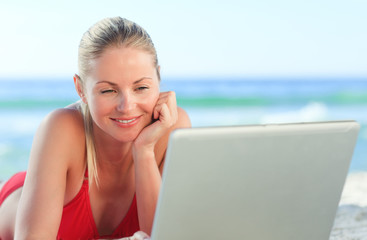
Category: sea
[209,102]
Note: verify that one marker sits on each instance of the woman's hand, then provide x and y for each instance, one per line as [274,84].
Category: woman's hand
[147,175]
[137,236]
[164,117]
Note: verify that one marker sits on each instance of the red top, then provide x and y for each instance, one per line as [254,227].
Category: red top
[77,219]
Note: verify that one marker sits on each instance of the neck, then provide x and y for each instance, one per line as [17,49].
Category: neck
[112,155]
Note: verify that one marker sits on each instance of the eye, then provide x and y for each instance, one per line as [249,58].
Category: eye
[142,88]
[108,91]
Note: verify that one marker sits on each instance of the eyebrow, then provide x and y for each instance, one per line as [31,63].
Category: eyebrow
[114,84]
[141,79]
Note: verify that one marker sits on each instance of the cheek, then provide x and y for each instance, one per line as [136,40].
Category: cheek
[98,107]
[152,101]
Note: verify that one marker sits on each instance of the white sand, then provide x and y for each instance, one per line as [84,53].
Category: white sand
[351,218]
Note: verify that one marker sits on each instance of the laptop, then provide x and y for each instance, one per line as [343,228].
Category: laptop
[258,182]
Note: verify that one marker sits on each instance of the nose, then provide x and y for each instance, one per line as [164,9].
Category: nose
[125,103]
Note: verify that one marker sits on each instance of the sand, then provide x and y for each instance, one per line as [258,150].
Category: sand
[351,219]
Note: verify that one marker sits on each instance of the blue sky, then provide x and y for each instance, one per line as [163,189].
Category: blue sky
[205,39]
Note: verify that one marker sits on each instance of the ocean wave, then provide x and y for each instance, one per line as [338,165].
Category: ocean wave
[33,103]
[313,111]
[20,123]
[209,101]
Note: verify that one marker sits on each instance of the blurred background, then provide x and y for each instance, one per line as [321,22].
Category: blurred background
[230,62]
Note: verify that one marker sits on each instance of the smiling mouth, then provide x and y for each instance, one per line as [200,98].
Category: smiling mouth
[126,122]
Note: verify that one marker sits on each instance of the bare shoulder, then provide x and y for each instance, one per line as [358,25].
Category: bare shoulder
[183,120]
[61,131]
[65,120]
[67,116]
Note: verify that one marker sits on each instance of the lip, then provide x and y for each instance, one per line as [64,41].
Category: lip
[126,122]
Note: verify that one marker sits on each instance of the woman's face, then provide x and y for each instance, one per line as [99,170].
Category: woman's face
[121,91]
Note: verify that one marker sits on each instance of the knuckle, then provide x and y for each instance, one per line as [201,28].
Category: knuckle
[171,93]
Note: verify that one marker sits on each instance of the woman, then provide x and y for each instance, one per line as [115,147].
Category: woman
[95,167]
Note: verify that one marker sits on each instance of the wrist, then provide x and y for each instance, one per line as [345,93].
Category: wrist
[145,153]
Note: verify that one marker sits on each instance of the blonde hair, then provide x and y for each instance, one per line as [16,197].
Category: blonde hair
[109,32]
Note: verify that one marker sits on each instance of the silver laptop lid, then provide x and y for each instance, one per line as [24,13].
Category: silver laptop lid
[279,182]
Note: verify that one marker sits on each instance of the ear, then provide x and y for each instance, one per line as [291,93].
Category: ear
[79,88]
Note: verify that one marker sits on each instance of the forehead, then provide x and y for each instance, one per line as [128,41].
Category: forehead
[121,62]
[125,56]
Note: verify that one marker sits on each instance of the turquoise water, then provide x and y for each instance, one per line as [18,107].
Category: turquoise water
[24,103]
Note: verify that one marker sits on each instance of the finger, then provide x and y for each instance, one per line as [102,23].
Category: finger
[141,236]
[166,93]
[162,113]
[169,98]
[156,111]
[163,98]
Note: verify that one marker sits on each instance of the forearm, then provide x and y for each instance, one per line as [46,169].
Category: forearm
[148,181]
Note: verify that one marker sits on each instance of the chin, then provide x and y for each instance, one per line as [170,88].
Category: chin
[125,135]
[129,136]
[125,138]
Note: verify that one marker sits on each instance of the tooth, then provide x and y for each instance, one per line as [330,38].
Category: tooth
[125,121]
